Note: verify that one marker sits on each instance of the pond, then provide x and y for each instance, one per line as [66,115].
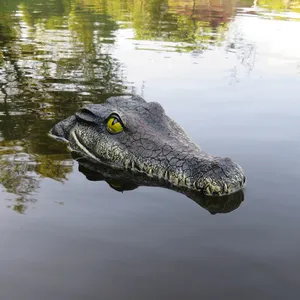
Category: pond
[227,71]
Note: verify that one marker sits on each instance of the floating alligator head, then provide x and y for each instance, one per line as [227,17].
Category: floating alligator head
[132,135]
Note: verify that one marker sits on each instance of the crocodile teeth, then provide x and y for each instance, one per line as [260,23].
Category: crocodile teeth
[208,191]
[225,187]
[188,182]
[166,175]
[127,163]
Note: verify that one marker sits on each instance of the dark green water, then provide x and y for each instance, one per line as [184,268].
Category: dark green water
[228,72]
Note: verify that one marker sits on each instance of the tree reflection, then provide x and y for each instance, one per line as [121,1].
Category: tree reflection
[195,24]
[53,59]
[21,171]
[280,5]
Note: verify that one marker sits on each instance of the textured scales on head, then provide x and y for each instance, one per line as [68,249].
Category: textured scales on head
[149,142]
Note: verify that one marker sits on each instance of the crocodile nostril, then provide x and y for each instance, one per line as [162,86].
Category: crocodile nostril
[244,179]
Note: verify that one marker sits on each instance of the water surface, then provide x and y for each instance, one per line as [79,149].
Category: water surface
[227,71]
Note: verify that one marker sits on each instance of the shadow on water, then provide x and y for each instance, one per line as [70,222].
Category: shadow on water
[56,56]
[127,181]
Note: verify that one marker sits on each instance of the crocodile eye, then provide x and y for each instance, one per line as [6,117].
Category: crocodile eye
[114,125]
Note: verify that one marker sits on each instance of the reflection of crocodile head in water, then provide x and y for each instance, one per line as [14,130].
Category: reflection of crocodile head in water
[128,133]
[125,180]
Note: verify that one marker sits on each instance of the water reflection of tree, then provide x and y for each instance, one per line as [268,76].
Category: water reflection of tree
[20,172]
[280,5]
[53,58]
[194,25]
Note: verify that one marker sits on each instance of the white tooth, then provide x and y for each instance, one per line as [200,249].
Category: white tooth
[166,175]
[208,191]
[225,187]
[160,174]
[127,163]
[141,166]
[215,188]
[188,182]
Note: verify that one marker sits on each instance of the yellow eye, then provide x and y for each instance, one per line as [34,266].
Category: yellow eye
[114,125]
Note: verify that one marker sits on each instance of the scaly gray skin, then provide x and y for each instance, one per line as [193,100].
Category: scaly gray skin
[151,143]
